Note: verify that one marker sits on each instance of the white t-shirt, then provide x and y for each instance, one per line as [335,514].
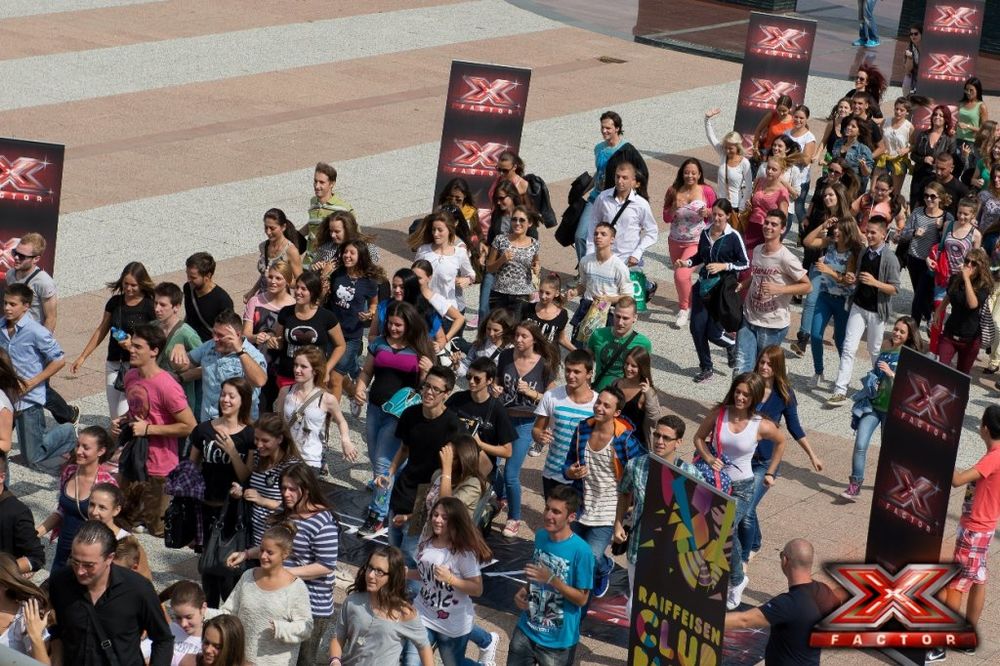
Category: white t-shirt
[600,487]
[781,267]
[43,286]
[610,278]
[446,269]
[443,608]
[564,415]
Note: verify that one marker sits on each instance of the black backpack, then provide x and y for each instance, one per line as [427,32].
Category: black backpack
[566,232]
[538,191]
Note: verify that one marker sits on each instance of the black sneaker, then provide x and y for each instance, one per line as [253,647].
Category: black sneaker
[731,356]
[937,654]
[76,415]
[651,291]
[703,376]
[373,524]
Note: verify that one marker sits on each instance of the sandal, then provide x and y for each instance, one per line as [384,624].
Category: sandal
[511,529]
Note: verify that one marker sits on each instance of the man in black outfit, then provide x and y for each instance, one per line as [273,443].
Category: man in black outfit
[203,299]
[484,416]
[944,173]
[102,608]
[792,615]
[17,528]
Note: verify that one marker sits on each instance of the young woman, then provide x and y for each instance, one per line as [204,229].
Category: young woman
[806,141]
[897,132]
[796,170]
[870,80]
[353,298]
[406,288]
[436,240]
[93,448]
[989,198]
[880,201]
[833,129]
[397,363]
[855,149]
[911,59]
[279,246]
[524,374]
[456,192]
[972,112]
[967,294]
[987,158]
[460,477]
[642,404]
[734,429]
[548,313]
[506,198]
[223,643]
[105,505]
[735,175]
[131,303]
[923,229]
[686,206]
[773,125]
[189,609]
[313,557]
[275,451]
[496,333]
[272,603]
[23,611]
[306,407]
[306,323]
[841,244]
[721,256]
[926,146]
[513,260]
[946,259]
[837,173]
[452,321]
[778,401]
[376,620]
[871,404]
[769,193]
[448,567]
[261,313]
[335,230]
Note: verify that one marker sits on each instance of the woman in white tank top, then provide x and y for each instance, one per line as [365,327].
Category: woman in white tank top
[305,406]
[735,426]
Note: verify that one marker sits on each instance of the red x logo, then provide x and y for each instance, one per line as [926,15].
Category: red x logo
[912,494]
[475,156]
[767,91]
[489,92]
[928,402]
[781,39]
[944,65]
[909,596]
[955,19]
[19,175]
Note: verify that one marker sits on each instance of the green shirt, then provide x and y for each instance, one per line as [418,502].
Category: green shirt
[318,212]
[604,346]
[184,335]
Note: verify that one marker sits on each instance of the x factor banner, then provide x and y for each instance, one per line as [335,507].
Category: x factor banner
[484,116]
[775,63]
[30,185]
[915,465]
[950,48]
[682,572]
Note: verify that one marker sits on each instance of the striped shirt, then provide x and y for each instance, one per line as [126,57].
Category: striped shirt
[564,415]
[920,245]
[265,482]
[316,542]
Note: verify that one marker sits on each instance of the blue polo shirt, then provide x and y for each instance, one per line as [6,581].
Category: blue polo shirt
[30,348]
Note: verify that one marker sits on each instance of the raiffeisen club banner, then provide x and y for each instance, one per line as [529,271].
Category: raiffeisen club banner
[682,573]
[484,116]
[775,63]
[30,188]
[950,48]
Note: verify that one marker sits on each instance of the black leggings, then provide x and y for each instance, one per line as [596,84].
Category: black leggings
[923,289]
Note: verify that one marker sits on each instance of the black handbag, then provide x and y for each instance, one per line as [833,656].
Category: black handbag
[219,546]
[180,522]
[725,306]
[132,461]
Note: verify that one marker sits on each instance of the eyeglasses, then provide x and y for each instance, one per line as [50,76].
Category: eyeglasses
[378,573]
[21,257]
[435,390]
[914,34]
[86,566]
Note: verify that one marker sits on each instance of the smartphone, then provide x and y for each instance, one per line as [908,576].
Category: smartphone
[118,334]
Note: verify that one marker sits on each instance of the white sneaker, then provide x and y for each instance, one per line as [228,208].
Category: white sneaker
[818,381]
[535,451]
[736,594]
[488,654]
[683,317]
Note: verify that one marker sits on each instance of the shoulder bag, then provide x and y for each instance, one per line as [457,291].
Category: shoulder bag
[123,366]
[107,647]
[719,479]
[197,312]
[134,451]
[301,410]
[401,400]
[614,358]
[218,547]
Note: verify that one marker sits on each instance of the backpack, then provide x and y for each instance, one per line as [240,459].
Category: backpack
[538,191]
[566,232]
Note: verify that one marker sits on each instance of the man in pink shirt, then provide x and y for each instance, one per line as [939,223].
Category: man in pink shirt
[158,410]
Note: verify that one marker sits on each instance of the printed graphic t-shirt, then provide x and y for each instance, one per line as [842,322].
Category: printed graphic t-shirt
[552,621]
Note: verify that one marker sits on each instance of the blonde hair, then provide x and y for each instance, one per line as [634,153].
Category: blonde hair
[734,138]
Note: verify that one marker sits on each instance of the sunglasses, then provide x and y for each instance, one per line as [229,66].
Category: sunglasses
[21,257]
[930,195]
[914,34]
[503,171]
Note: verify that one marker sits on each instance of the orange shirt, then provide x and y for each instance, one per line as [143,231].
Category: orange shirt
[776,129]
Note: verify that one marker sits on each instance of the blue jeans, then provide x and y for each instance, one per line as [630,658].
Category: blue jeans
[704,329]
[800,208]
[522,651]
[828,306]
[451,650]
[862,438]
[866,16]
[382,448]
[400,538]
[743,494]
[480,637]
[749,528]
[507,482]
[40,448]
[751,340]
[485,289]
[809,304]
[598,538]
[582,229]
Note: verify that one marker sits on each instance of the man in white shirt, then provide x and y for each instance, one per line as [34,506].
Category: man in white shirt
[635,226]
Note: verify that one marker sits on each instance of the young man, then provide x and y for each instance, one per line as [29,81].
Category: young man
[203,299]
[631,218]
[610,344]
[560,411]
[36,356]
[867,25]
[17,528]
[227,354]
[776,275]
[158,410]
[181,338]
[667,436]
[324,203]
[599,451]
[602,276]
[422,430]
[560,576]
[484,416]
[792,615]
[877,280]
[43,308]
[97,601]
[944,173]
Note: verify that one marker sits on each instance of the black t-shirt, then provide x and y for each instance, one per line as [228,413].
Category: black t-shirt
[956,189]
[126,317]
[550,328]
[507,376]
[348,298]
[792,616]
[423,439]
[209,306]
[216,466]
[866,296]
[963,322]
[301,332]
[487,420]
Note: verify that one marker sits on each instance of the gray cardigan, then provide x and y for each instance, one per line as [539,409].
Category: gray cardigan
[888,272]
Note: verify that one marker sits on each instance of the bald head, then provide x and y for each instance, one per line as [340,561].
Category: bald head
[799,554]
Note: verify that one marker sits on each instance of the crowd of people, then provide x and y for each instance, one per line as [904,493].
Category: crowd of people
[222,412]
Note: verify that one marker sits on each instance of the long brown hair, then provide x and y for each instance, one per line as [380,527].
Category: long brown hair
[640,357]
[233,639]
[391,597]
[754,382]
[981,279]
[776,357]
[542,346]
[274,425]
[317,360]
[245,391]
[462,535]
[415,335]
[466,462]
[16,586]
[312,495]
[137,270]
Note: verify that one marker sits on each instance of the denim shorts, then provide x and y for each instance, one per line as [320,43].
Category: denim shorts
[349,364]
